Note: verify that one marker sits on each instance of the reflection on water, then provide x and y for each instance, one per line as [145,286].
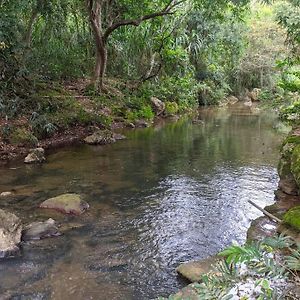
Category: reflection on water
[166,195]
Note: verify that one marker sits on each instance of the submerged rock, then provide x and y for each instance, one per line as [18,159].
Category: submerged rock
[40,230]
[118,136]
[10,234]
[5,194]
[190,292]
[35,156]
[194,270]
[66,203]
[100,137]
[157,105]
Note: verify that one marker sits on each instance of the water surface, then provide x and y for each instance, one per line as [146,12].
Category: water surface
[165,195]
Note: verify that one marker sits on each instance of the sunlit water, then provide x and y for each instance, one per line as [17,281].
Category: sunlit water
[165,195]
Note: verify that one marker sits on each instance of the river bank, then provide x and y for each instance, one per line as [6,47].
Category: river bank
[61,114]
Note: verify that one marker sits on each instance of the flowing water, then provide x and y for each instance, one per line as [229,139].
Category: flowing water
[167,194]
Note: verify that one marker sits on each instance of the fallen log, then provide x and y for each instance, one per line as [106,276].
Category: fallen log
[265,212]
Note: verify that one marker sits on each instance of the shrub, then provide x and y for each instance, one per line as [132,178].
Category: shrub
[22,136]
[171,108]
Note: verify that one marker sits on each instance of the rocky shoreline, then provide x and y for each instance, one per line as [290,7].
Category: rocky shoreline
[286,208]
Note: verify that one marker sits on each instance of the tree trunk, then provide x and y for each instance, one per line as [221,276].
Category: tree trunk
[28,34]
[95,10]
[100,66]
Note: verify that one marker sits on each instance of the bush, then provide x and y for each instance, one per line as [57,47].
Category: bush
[22,136]
[171,108]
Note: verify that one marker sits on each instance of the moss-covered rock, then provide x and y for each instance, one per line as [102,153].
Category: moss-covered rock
[292,217]
[295,164]
[100,137]
[284,168]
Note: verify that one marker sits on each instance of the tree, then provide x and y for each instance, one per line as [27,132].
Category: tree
[106,16]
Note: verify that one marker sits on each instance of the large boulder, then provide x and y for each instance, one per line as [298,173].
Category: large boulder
[100,137]
[67,204]
[261,228]
[36,155]
[254,94]
[157,105]
[10,234]
[194,270]
[40,230]
[289,165]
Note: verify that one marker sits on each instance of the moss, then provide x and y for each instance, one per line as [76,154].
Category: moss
[292,217]
[171,108]
[295,164]
[22,136]
[284,168]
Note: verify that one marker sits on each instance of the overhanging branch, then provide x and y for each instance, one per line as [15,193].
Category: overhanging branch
[167,10]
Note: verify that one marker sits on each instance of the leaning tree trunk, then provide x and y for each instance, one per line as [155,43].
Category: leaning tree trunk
[94,8]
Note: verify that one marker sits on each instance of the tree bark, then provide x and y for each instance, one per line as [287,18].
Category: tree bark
[28,34]
[95,9]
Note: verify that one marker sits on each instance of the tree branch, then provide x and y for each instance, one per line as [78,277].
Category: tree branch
[167,10]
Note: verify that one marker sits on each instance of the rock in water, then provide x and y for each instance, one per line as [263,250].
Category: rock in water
[5,194]
[195,269]
[67,204]
[100,137]
[141,124]
[157,105]
[35,156]
[10,234]
[119,137]
[40,230]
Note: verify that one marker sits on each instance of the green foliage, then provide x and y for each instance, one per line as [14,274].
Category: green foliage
[287,14]
[235,253]
[41,125]
[292,261]
[22,136]
[290,79]
[291,114]
[251,271]
[171,108]
[183,91]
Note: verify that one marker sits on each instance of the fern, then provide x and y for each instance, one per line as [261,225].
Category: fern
[235,253]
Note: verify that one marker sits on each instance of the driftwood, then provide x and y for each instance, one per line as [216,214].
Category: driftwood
[266,212]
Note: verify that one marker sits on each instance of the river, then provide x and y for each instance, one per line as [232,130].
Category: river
[168,194]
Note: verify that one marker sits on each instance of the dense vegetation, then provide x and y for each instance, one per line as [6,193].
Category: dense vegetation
[65,63]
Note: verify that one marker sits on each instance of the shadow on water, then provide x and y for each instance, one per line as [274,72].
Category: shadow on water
[166,195]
